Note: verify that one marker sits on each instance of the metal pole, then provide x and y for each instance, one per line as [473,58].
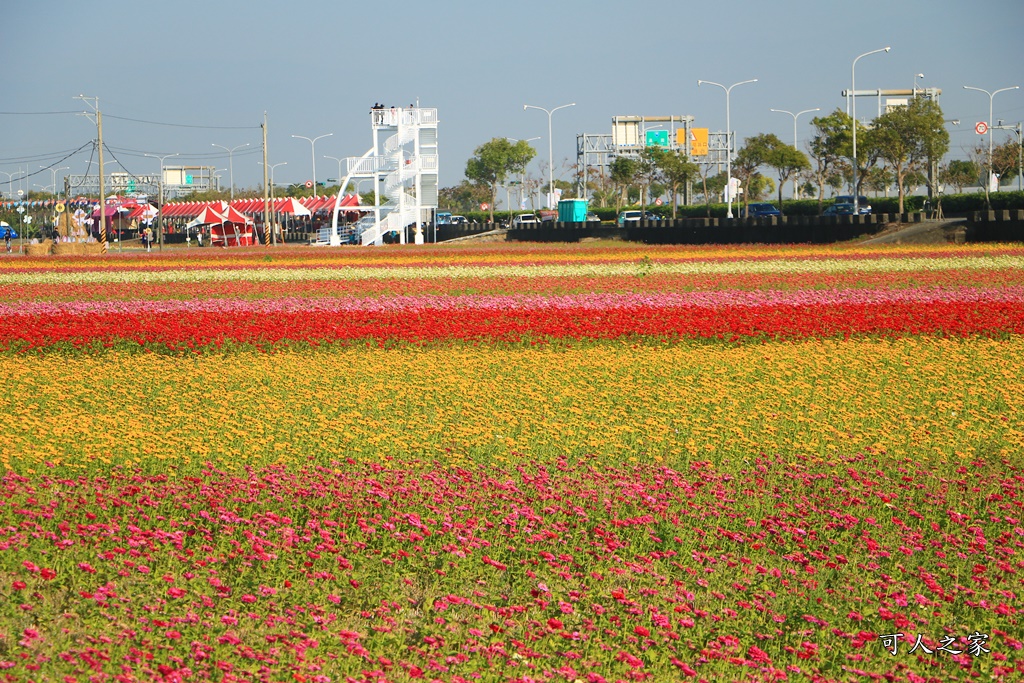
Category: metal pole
[551,165]
[991,96]
[231,165]
[312,152]
[795,116]
[160,221]
[853,100]
[728,141]
[273,212]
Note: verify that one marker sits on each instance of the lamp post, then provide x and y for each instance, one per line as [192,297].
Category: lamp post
[339,178]
[53,175]
[160,216]
[10,184]
[795,117]
[231,164]
[272,167]
[312,146]
[551,166]
[853,122]
[991,96]
[916,76]
[728,140]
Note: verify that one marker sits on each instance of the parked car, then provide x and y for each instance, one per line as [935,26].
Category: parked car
[547,216]
[459,220]
[840,209]
[593,217]
[635,217]
[524,219]
[444,217]
[863,205]
[759,209]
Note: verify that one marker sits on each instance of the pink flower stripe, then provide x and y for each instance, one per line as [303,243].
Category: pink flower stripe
[591,302]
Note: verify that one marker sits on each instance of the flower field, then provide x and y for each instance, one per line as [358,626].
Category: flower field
[596,462]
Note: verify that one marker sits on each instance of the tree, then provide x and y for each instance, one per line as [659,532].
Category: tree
[463,197]
[1006,160]
[623,173]
[785,159]
[493,161]
[712,185]
[907,137]
[960,173]
[752,155]
[830,146]
[676,170]
[647,173]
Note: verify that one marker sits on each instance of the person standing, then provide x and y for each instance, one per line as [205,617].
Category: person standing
[149,238]
[7,238]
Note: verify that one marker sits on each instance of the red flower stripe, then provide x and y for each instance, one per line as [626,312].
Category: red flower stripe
[202,328]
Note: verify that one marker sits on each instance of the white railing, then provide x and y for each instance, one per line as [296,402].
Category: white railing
[368,165]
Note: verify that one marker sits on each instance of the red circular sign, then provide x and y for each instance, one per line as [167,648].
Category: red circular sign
[484,206]
[309,183]
[658,201]
[981,128]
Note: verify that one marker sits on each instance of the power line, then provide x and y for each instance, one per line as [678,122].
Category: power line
[36,113]
[179,125]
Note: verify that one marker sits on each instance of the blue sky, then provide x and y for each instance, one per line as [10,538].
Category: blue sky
[211,69]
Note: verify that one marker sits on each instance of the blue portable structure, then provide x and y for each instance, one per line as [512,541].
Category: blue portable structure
[572,211]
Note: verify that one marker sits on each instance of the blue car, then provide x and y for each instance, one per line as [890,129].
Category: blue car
[757,210]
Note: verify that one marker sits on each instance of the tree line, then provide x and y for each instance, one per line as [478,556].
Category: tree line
[903,147]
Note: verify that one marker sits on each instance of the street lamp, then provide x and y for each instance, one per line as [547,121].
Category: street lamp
[551,166]
[916,76]
[991,95]
[853,104]
[160,216]
[231,164]
[339,169]
[795,116]
[10,184]
[728,141]
[312,146]
[53,175]
[272,167]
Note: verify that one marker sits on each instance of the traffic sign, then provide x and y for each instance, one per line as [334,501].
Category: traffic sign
[309,184]
[484,206]
[658,201]
[981,128]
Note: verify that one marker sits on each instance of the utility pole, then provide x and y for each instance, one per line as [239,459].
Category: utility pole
[95,104]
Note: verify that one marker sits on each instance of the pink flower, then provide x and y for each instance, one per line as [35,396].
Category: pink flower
[176,592]
[86,567]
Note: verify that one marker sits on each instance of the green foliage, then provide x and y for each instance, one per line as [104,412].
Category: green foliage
[462,198]
[907,138]
[960,173]
[623,173]
[493,161]
[1006,161]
